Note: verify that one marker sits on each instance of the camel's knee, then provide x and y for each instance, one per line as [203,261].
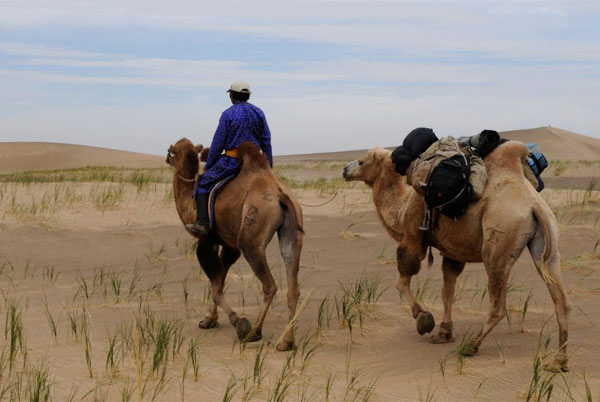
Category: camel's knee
[497,314]
[407,263]
[567,307]
[293,296]
[408,268]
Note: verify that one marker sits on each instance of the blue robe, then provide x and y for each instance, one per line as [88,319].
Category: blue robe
[240,123]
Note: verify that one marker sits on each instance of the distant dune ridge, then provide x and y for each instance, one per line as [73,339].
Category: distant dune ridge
[22,156]
[556,144]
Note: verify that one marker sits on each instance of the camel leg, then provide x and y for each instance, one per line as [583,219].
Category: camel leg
[562,305]
[214,269]
[290,246]
[500,251]
[258,261]
[409,265]
[451,269]
[228,257]
[497,280]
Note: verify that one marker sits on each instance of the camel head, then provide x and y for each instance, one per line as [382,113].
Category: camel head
[368,168]
[183,156]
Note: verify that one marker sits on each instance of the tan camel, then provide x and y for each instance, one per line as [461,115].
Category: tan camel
[494,230]
[248,212]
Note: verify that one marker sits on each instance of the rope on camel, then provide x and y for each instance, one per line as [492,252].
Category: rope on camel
[195,180]
[320,205]
[187,180]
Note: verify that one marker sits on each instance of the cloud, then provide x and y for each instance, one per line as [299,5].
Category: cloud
[329,75]
[26,49]
[416,28]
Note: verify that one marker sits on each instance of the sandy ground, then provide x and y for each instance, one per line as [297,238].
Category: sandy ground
[137,262]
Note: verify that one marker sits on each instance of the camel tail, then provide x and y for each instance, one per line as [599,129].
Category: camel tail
[293,208]
[550,231]
[429,258]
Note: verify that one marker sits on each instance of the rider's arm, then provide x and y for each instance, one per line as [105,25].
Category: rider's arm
[266,141]
[218,143]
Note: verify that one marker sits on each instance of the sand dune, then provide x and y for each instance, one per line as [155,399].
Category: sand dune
[22,156]
[558,144]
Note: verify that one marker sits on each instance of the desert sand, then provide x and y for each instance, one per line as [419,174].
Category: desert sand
[94,276]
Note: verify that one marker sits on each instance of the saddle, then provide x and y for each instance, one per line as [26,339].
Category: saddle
[212,196]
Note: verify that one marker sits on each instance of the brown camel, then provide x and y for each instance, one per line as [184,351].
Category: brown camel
[494,230]
[248,212]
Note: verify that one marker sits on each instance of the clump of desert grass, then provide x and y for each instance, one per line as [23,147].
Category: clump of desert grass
[541,384]
[425,394]
[21,378]
[356,300]
[560,167]
[544,385]
[106,197]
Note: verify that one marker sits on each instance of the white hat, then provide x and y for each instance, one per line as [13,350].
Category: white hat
[240,86]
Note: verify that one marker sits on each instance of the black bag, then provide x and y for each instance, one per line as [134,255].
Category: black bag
[483,143]
[448,188]
[415,143]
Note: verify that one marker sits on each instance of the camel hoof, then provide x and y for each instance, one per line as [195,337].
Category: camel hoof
[254,337]
[242,328]
[425,322]
[208,324]
[442,338]
[284,346]
[471,351]
[556,367]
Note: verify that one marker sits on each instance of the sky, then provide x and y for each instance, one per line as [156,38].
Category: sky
[329,75]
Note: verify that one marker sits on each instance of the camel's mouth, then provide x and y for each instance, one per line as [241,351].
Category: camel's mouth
[169,159]
[345,173]
[348,173]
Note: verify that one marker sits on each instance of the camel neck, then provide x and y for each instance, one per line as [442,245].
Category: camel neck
[389,197]
[389,182]
[182,192]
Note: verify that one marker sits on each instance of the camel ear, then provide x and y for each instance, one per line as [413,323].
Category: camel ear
[198,148]
[204,154]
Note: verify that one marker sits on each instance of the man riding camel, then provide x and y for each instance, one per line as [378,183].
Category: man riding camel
[240,123]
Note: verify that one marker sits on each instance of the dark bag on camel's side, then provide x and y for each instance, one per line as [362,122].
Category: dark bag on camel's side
[448,177]
[448,187]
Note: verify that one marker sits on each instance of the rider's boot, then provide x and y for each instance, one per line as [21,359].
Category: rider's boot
[201,226]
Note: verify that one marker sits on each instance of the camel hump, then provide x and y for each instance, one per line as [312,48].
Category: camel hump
[252,157]
[509,156]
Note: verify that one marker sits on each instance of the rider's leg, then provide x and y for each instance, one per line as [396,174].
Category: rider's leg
[201,226]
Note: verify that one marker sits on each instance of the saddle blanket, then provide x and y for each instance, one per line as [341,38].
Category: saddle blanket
[213,195]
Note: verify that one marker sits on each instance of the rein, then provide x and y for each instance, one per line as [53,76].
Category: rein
[187,180]
[320,205]
[195,181]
